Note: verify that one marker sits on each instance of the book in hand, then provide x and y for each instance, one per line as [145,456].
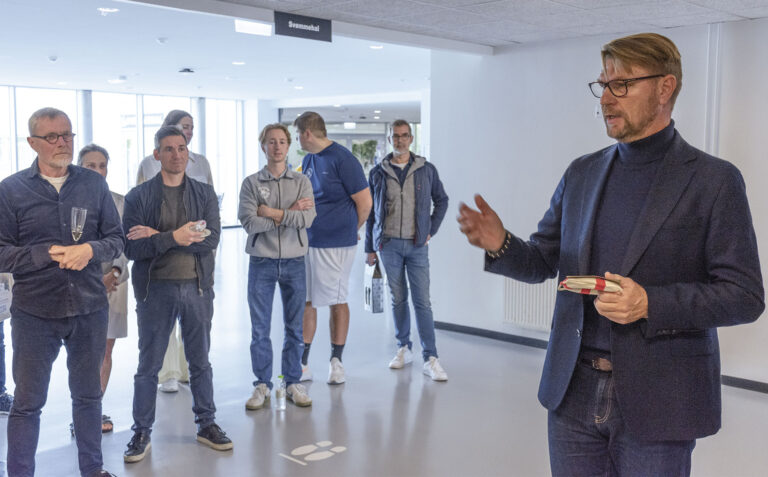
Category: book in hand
[588,284]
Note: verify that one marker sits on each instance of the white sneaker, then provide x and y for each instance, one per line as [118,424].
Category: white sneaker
[306,373]
[404,356]
[336,372]
[297,393]
[170,386]
[259,397]
[433,369]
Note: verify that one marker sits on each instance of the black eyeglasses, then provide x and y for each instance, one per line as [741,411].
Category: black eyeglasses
[618,88]
[396,137]
[53,138]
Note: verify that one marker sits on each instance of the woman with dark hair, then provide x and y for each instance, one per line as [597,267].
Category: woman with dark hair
[115,275]
[175,366]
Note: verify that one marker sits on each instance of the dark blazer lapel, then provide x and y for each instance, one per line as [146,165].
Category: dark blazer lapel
[596,175]
[671,180]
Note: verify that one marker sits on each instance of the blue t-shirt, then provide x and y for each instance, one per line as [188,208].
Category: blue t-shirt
[335,175]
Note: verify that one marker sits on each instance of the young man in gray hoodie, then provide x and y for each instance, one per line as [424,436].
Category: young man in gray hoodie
[276,208]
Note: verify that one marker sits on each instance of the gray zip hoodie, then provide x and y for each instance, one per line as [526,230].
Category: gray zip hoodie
[265,239]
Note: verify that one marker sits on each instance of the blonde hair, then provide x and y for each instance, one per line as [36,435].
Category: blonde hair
[270,127]
[651,51]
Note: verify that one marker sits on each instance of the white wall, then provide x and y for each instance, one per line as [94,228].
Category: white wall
[508,125]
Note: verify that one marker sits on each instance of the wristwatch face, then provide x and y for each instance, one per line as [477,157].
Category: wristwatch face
[115,274]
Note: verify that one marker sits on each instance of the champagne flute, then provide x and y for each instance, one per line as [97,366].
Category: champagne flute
[78,222]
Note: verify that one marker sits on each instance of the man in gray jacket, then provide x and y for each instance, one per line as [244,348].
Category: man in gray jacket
[405,187]
[276,208]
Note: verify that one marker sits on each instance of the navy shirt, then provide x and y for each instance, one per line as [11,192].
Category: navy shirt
[33,217]
[622,201]
[335,175]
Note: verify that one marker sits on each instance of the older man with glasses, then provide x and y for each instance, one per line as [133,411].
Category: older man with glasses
[58,294]
[632,376]
[409,204]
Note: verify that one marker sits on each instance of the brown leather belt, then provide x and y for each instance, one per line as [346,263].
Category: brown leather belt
[600,364]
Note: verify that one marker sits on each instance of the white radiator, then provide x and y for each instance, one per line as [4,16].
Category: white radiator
[529,306]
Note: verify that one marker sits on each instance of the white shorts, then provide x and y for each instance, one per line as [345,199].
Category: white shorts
[328,271]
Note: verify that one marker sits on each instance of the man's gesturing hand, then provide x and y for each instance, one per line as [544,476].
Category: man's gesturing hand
[482,227]
[626,306]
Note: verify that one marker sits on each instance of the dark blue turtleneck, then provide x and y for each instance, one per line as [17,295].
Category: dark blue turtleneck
[623,197]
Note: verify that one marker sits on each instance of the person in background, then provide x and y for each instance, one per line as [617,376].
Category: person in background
[115,275]
[342,202]
[409,203]
[276,208]
[175,367]
[173,227]
[58,293]
[6,398]
[632,377]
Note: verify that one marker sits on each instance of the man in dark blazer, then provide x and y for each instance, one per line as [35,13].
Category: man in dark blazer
[632,378]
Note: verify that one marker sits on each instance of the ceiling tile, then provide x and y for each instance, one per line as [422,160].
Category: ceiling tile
[686,20]
[517,10]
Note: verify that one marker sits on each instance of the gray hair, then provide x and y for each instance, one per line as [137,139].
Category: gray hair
[167,131]
[50,113]
[91,148]
[401,122]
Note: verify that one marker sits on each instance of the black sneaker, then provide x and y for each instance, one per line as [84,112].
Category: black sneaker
[137,447]
[6,401]
[102,473]
[214,437]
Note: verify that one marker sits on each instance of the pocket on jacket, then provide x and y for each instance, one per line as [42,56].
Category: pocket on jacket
[693,343]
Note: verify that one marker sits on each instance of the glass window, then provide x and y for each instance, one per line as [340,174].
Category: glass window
[155,109]
[29,100]
[223,152]
[7,166]
[115,129]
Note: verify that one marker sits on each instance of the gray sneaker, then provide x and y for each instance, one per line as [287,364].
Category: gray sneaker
[259,398]
[297,394]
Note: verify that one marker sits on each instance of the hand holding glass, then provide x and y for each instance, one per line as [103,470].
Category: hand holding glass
[78,222]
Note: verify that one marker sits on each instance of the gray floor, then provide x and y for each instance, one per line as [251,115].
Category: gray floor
[485,421]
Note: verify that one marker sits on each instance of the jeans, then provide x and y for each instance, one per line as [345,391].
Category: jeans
[2,357]
[165,302]
[588,437]
[290,274]
[399,257]
[36,343]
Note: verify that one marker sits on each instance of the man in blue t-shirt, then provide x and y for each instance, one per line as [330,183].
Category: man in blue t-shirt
[343,202]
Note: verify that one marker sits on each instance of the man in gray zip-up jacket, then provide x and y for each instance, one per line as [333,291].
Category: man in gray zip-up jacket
[276,208]
[404,187]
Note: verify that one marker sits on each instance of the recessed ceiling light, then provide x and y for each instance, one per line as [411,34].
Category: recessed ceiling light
[253,28]
[377,47]
[336,105]
[238,63]
[350,125]
[376,117]
[377,111]
[106,11]
[298,87]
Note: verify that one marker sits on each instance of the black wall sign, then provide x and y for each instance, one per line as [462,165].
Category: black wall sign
[300,26]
